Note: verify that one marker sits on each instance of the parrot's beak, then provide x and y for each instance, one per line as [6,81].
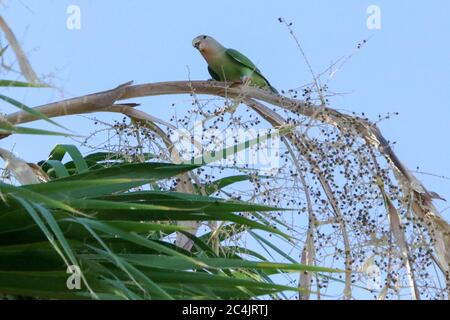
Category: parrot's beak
[196,42]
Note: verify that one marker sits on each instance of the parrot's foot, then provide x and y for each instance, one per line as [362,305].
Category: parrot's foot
[246,80]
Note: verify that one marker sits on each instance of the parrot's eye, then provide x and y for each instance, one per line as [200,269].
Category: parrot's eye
[204,37]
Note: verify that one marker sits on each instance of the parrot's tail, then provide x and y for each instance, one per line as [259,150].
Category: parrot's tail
[273,90]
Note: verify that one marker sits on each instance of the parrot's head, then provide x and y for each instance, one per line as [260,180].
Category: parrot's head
[207,45]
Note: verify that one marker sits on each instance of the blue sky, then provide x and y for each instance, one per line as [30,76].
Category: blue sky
[405,67]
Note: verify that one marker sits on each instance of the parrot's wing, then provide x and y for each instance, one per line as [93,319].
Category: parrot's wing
[239,57]
[213,74]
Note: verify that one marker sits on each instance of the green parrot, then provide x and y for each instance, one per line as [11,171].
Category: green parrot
[229,64]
